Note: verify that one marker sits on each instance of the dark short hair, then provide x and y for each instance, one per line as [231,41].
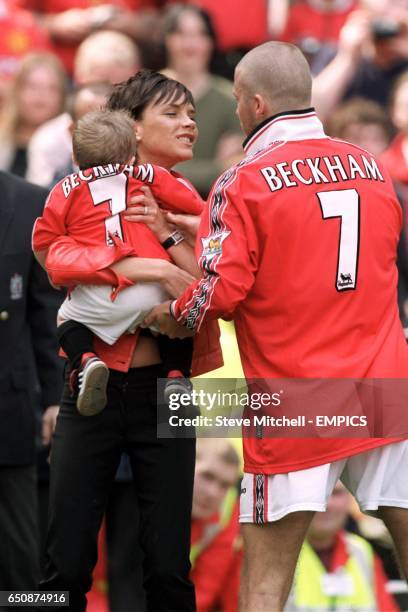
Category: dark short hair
[144,88]
[173,13]
[103,137]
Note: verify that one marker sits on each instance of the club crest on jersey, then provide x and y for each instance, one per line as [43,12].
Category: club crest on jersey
[344,281]
[212,245]
[16,287]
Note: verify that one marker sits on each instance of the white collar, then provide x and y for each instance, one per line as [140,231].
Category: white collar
[292,125]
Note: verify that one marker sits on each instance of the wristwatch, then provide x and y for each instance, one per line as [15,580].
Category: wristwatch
[174,238]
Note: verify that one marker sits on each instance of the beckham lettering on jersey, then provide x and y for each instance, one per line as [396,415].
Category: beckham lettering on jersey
[143,172]
[326,169]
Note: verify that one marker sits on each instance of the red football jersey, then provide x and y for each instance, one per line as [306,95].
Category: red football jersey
[89,205]
[298,245]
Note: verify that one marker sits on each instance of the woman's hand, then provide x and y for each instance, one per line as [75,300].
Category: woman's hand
[175,281]
[143,208]
[187,224]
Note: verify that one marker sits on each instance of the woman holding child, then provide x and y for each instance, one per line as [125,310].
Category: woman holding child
[86,450]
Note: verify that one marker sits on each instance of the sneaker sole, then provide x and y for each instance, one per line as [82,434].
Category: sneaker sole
[175,389]
[92,398]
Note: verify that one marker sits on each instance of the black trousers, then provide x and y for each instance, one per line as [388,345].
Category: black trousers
[19,539]
[84,458]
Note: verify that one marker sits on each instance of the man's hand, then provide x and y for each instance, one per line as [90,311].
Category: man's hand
[49,420]
[188,224]
[161,318]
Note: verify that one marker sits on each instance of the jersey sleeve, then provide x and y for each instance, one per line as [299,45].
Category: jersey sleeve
[69,263]
[228,257]
[51,225]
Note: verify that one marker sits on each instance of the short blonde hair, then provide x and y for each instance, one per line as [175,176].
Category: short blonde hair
[103,137]
[105,48]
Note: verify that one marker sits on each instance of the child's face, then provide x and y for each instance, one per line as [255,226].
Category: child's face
[166,133]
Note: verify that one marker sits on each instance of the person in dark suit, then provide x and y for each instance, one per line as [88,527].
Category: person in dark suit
[28,357]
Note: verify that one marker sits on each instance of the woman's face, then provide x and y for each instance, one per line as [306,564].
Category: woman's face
[40,96]
[190,46]
[166,133]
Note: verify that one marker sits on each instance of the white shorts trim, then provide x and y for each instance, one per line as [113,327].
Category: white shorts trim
[376,478]
[92,306]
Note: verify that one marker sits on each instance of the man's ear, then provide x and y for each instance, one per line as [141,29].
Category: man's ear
[260,106]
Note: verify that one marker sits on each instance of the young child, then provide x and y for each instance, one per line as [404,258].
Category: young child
[87,206]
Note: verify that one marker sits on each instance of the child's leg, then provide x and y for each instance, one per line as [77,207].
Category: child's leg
[89,374]
[176,356]
[76,340]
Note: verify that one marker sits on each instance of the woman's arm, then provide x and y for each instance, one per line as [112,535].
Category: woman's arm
[139,269]
[70,263]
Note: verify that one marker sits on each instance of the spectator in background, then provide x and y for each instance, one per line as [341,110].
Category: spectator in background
[338,570]
[366,124]
[28,352]
[215,541]
[108,57]
[37,94]
[314,26]
[190,40]
[372,53]
[69,22]
[396,156]
[363,123]
[20,35]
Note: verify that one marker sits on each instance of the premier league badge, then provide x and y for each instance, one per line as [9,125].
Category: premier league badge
[16,287]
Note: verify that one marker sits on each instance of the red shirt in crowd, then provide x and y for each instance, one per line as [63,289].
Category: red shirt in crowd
[20,34]
[216,569]
[298,245]
[306,20]
[238,24]
[64,49]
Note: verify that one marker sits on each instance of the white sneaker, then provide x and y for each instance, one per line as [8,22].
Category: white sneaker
[93,378]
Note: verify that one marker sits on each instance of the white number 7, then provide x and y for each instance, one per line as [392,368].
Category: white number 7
[111,189]
[344,204]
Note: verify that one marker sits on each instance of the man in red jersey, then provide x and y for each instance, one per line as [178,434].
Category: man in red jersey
[298,245]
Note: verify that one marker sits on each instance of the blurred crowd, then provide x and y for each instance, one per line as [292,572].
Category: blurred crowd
[58,61]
